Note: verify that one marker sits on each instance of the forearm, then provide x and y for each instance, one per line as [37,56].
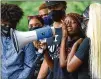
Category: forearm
[74,49]
[48,59]
[73,62]
[71,54]
[63,54]
[43,70]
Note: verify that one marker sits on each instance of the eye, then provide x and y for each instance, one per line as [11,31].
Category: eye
[37,24]
[31,25]
[74,22]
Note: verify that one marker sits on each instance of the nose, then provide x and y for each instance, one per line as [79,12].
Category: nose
[69,24]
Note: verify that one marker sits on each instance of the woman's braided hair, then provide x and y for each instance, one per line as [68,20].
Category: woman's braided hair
[79,19]
[11,13]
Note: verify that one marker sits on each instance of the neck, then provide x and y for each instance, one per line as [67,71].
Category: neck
[73,37]
[57,24]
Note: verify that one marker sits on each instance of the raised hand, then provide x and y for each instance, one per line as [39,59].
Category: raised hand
[64,29]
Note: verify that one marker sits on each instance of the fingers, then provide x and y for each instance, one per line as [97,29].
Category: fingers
[64,26]
[37,44]
[63,22]
[43,45]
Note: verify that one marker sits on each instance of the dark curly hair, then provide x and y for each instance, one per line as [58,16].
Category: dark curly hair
[11,14]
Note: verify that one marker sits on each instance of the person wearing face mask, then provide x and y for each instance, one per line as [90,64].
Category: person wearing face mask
[57,13]
[36,22]
[15,64]
[43,12]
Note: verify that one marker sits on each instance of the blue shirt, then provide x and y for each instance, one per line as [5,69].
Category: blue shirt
[16,65]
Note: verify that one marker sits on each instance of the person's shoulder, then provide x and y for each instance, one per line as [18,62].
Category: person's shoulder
[86,40]
[83,50]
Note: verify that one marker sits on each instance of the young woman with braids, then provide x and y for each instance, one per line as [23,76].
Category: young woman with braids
[87,59]
[75,61]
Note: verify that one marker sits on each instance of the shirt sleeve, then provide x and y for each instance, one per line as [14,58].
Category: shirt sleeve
[29,58]
[30,54]
[83,50]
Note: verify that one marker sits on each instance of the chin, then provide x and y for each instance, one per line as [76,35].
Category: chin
[71,34]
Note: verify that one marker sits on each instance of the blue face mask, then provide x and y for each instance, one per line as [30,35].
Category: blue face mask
[48,20]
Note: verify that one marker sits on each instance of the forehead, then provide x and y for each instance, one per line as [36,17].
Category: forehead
[34,21]
[43,11]
[69,18]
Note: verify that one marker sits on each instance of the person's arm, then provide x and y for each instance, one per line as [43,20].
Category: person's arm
[46,55]
[77,60]
[48,59]
[47,63]
[74,49]
[43,70]
[29,57]
[63,53]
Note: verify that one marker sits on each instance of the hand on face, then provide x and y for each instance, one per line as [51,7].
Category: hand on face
[64,29]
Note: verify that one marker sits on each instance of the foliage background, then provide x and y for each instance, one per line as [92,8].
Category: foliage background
[31,8]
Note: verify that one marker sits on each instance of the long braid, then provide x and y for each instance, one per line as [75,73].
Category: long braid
[78,18]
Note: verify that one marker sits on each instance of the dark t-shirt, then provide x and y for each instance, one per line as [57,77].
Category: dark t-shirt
[62,73]
[59,73]
[83,54]
[54,42]
[83,71]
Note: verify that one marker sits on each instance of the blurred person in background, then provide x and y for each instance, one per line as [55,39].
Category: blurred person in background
[35,22]
[15,64]
[93,33]
[43,12]
[57,13]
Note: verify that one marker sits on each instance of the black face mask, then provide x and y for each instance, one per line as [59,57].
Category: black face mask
[5,30]
[57,15]
[34,28]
